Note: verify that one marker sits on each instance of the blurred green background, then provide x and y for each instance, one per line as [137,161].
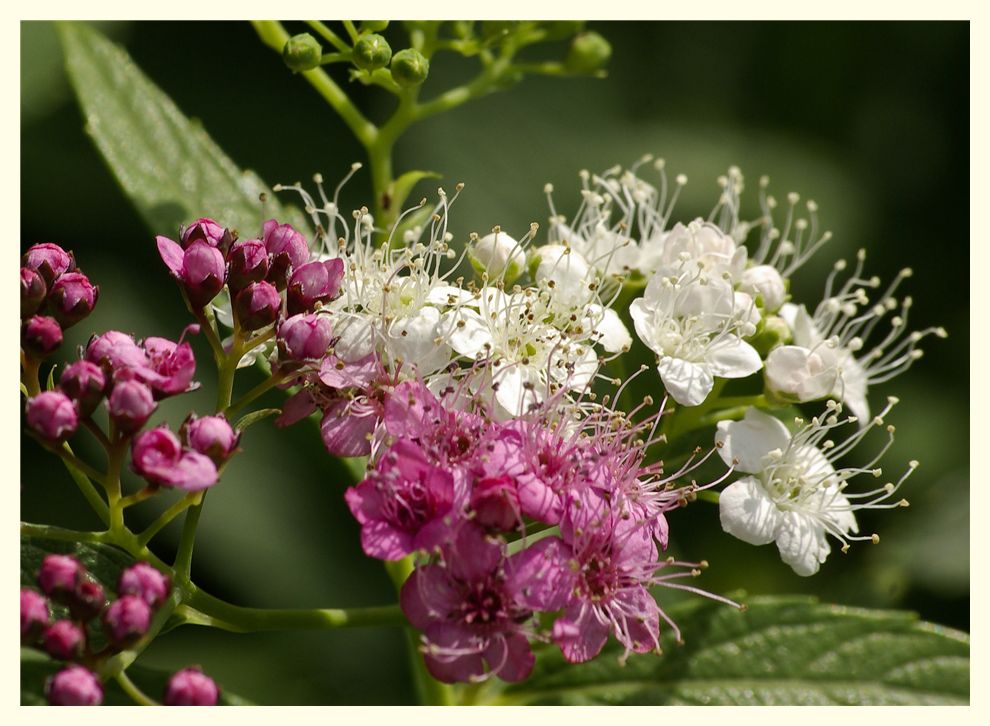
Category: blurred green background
[869,119]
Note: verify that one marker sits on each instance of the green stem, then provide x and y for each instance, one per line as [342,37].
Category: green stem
[29,374]
[133,691]
[71,460]
[49,531]
[200,608]
[183,558]
[259,390]
[707,496]
[165,517]
[86,487]
[328,35]
[115,461]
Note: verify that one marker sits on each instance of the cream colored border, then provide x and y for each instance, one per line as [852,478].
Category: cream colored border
[973,10]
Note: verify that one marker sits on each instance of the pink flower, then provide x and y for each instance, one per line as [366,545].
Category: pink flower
[35,615]
[191,687]
[304,337]
[49,260]
[130,405]
[144,581]
[314,282]
[404,504]
[84,383]
[126,620]
[63,640]
[205,230]
[170,366]
[257,305]
[201,268]
[211,436]
[40,336]
[115,350]
[33,291]
[471,624]
[74,686]
[87,601]
[248,262]
[59,575]
[158,456]
[287,250]
[52,415]
[72,298]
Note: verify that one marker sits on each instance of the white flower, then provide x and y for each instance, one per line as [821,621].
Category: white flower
[498,255]
[765,281]
[703,244]
[829,356]
[695,325]
[796,494]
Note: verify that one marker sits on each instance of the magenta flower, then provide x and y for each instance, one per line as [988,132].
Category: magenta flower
[63,640]
[33,291]
[74,686]
[72,298]
[144,581]
[115,351]
[191,687]
[49,260]
[257,305]
[404,504]
[313,282]
[158,456]
[201,268]
[126,620]
[464,607]
[88,600]
[40,336]
[52,415]
[170,366]
[35,615]
[247,263]
[59,575]
[205,230]
[84,383]
[130,405]
[287,250]
[304,337]
[211,436]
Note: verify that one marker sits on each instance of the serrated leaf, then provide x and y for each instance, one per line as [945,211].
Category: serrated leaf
[255,416]
[782,651]
[170,168]
[37,668]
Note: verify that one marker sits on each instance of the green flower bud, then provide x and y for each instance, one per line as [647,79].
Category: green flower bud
[373,26]
[588,53]
[409,68]
[371,52]
[772,331]
[302,53]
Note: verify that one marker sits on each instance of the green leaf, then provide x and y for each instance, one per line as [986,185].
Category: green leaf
[402,186]
[37,668]
[255,416]
[168,165]
[103,561]
[782,651]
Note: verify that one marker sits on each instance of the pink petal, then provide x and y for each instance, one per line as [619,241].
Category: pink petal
[171,254]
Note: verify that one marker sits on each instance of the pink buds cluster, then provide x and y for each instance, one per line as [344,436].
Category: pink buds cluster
[54,296]
[190,461]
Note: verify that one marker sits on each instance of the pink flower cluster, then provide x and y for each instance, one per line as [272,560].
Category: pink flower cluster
[534,515]
[65,582]
[256,271]
[54,295]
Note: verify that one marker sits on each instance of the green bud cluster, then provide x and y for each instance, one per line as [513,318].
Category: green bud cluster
[302,53]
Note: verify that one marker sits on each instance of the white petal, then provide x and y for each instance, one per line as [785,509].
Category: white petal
[466,331]
[732,357]
[518,388]
[751,439]
[851,389]
[413,338]
[610,331]
[802,544]
[356,335]
[796,373]
[747,512]
[642,315]
[688,383]
[448,295]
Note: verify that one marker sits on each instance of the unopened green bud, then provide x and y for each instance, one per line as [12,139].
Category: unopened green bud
[772,331]
[588,53]
[409,68]
[372,52]
[373,26]
[559,29]
[302,52]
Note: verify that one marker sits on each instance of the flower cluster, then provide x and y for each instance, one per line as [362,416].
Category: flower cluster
[54,295]
[516,518]
[74,635]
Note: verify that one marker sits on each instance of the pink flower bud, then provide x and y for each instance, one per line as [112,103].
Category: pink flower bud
[52,415]
[33,291]
[84,383]
[35,615]
[205,230]
[73,297]
[257,305]
[495,501]
[305,336]
[248,263]
[312,283]
[158,456]
[74,686]
[115,351]
[50,260]
[145,582]
[126,620]
[211,436]
[171,366]
[59,575]
[191,687]
[203,273]
[64,640]
[288,250]
[40,336]
[87,601]
[130,405]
